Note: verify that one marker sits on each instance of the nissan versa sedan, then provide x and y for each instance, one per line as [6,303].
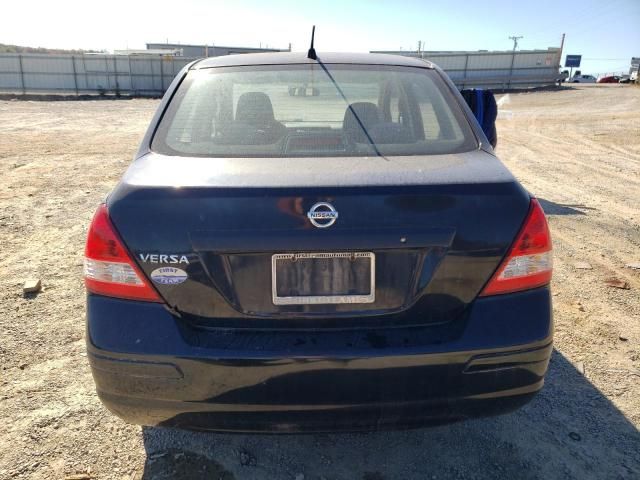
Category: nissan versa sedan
[316,244]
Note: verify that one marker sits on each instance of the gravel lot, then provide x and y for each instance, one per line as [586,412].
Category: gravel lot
[577,149]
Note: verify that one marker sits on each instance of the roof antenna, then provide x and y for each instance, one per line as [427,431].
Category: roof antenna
[312,51]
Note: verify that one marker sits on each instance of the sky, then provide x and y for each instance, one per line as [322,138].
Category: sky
[605,32]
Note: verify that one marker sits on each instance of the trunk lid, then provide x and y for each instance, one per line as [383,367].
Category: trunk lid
[437,225]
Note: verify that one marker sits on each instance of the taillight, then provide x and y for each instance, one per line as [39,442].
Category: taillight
[108,267]
[529,262]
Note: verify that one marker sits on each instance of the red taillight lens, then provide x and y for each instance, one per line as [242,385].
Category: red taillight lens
[530,261]
[108,267]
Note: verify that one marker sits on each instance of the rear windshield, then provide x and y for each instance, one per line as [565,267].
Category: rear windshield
[313,110]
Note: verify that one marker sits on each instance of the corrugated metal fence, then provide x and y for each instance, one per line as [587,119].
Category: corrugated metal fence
[497,70]
[151,75]
[88,74]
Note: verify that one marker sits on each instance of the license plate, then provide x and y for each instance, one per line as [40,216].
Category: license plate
[323,278]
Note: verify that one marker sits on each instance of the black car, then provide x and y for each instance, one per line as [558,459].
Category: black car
[352,259]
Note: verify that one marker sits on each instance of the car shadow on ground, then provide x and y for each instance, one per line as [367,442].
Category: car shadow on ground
[569,430]
[553,208]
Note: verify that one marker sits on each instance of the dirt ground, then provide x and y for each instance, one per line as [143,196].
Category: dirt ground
[577,149]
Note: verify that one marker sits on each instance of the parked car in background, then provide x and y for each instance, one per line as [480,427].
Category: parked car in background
[354,259]
[609,79]
[625,79]
[583,79]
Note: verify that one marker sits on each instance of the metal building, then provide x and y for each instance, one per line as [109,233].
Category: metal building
[496,69]
[198,51]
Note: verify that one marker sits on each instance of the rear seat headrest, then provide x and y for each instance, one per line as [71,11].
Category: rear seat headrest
[368,114]
[254,108]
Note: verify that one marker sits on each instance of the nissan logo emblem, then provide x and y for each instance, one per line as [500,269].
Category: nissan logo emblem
[322,215]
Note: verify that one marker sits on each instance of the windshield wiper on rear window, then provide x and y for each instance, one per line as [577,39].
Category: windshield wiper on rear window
[349,106]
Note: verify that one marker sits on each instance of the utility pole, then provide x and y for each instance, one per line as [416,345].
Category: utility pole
[513,58]
[560,61]
[515,41]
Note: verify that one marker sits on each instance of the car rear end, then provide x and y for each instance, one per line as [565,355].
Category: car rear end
[353,259]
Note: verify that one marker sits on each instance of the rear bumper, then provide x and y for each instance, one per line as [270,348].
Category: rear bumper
[153,369]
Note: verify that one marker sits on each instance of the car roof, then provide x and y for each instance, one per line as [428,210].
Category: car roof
[284,58]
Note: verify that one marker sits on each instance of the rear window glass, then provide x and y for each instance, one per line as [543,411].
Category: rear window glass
[313,110]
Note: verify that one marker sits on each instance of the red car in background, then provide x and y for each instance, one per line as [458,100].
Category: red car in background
[609,79]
